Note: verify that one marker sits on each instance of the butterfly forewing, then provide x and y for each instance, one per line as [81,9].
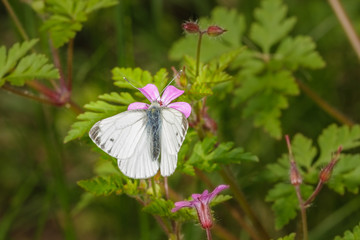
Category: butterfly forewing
[173,131]
[125,137]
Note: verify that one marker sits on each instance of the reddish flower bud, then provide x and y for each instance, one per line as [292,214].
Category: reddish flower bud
[325,173]
[295,177]
[214,31]
[191,27]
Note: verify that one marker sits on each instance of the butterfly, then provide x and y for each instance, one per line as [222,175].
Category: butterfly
[144,133]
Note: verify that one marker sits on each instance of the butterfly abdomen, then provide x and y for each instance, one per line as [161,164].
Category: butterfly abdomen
[153,126]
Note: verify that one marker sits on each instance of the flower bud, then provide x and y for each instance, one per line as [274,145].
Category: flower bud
[214,31]
[191,27]
[295,177]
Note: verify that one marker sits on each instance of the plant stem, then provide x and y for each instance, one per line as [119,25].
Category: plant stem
[198,53]
[303,213]
[25,93]
[346,25]
[57,64]
[153,186]
[208,234]
[70,54]
[324,105]
[74,107]
[240,198]
[16,20]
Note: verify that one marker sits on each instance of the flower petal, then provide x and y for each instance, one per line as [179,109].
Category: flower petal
[150,91]
[138,105]
[170,93]
[183,107]
[182,204]
[216,191]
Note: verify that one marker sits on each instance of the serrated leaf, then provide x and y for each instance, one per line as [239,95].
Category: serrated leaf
[102,185]
[333,136]
[219,199]
[139,78]
[67,17]
[34,66]
[212,47]
[270,28]
[285,202]
[208,154]
[350,235]
[98,110]
[288,237]
[267,96]
[162,207]
[298,52]
[16,67]
[345,175]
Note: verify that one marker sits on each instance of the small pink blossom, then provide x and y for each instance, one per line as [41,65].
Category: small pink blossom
[151,92]
[201,202]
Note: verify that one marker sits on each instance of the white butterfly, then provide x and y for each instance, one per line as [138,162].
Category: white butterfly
[139,136]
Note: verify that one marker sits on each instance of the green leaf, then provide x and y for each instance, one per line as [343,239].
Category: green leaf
[139,78]
[207,155]
[212,47]
[288,237]
[350,235]
[114,104]
[219,199]
[345,176]
[298,52]
[266,96]
[272,24]
[285,202]
[67,16]
[16,67]
[162,207]
[102,185]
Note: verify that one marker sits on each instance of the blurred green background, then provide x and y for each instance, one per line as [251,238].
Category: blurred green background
[39,198]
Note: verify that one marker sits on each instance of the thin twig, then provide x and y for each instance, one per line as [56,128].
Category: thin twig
[346,25]
[70,54]
[74,107]
[57,64]
[303,213]
[208,234]
[324,105]
[16,20]
[240,198]
[25,93]
[198,53]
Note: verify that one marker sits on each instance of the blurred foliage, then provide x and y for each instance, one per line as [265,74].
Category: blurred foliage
[39,196]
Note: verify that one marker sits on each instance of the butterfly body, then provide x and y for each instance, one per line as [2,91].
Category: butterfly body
[153,126]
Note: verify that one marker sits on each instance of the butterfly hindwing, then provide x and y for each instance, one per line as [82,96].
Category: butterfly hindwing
[173,130]
[125,137]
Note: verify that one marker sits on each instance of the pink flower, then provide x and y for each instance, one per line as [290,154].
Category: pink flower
[151,92]
[201,202]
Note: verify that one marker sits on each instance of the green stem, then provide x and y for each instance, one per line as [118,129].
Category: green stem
[324,105]
[16,20]
[198,53]
[26,94]
[208,234]
[303,213]
[240,198]
[153,187]
[70,54]
[346,25]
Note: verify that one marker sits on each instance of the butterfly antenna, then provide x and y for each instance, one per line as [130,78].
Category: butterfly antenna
[130,83]
[176,76]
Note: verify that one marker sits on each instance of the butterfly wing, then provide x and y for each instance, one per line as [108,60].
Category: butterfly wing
[125,137]
[173,130]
